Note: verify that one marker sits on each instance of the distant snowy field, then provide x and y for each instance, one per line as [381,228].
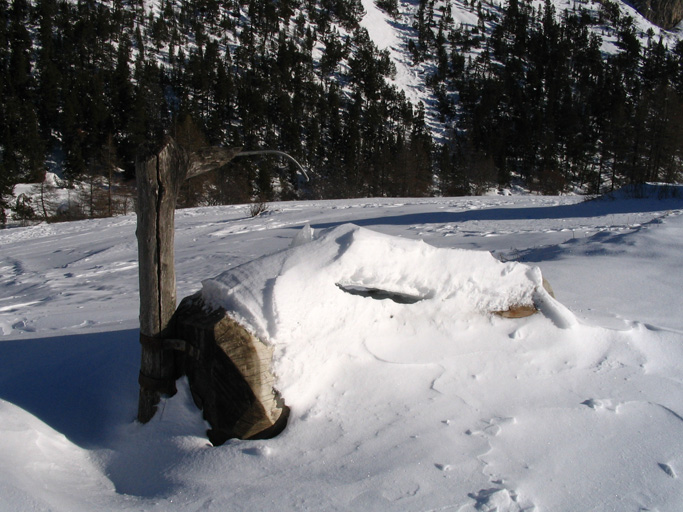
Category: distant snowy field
[428,406]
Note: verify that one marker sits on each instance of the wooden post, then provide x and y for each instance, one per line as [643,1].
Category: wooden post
[158,181]
[159,175]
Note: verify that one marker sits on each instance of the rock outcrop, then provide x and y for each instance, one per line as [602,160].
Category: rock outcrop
[664,13]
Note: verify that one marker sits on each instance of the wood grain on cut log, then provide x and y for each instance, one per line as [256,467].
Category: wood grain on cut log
[230,375]
[524,310]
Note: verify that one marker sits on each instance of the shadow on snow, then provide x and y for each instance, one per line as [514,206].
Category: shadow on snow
[586,209]
[82,385]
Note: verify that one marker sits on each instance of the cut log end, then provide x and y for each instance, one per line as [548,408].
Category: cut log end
[230,376]
[518,311]
[525,310]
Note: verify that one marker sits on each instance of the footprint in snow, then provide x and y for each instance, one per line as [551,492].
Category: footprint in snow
[257,451]
[667,469]
[596,404]
[492,427]
[518,334]
[21,325]
[495,499]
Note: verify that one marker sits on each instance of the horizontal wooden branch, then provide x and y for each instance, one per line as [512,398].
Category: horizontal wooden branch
[209,158]
[275,152]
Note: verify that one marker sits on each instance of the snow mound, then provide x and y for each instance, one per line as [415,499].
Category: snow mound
[42,469]
[350,287]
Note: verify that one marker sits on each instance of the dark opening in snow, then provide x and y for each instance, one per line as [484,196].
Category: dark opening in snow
[379,294]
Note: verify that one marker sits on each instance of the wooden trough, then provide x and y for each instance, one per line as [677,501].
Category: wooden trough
[228,369]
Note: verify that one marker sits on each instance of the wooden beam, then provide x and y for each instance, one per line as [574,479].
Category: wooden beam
[158,180]
[275,152]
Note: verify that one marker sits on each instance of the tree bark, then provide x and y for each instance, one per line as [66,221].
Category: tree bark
[209,158]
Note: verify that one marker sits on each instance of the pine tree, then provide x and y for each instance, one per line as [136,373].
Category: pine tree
[49,75]
[6,176]
[73,136]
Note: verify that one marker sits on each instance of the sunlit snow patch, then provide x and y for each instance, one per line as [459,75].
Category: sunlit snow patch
[307,279]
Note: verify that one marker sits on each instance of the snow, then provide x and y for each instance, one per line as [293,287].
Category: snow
[391,36]
[416,399]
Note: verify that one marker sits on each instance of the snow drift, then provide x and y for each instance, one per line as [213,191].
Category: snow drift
[326,298]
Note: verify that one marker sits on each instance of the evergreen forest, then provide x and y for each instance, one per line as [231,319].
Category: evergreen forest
[526,94]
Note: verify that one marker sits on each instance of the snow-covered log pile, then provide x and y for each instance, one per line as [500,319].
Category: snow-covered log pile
[317,299]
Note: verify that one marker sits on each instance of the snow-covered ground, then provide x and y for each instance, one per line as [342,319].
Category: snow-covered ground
[434,404]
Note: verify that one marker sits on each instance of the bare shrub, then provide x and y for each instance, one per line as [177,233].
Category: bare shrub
[257,208]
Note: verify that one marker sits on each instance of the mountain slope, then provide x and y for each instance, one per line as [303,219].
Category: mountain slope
[665,13]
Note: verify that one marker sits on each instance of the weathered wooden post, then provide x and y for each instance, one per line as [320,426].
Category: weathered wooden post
[158,180]
[159,176]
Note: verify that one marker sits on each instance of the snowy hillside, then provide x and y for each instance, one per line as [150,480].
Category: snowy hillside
[431,405]
[408,98]
[393,33]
